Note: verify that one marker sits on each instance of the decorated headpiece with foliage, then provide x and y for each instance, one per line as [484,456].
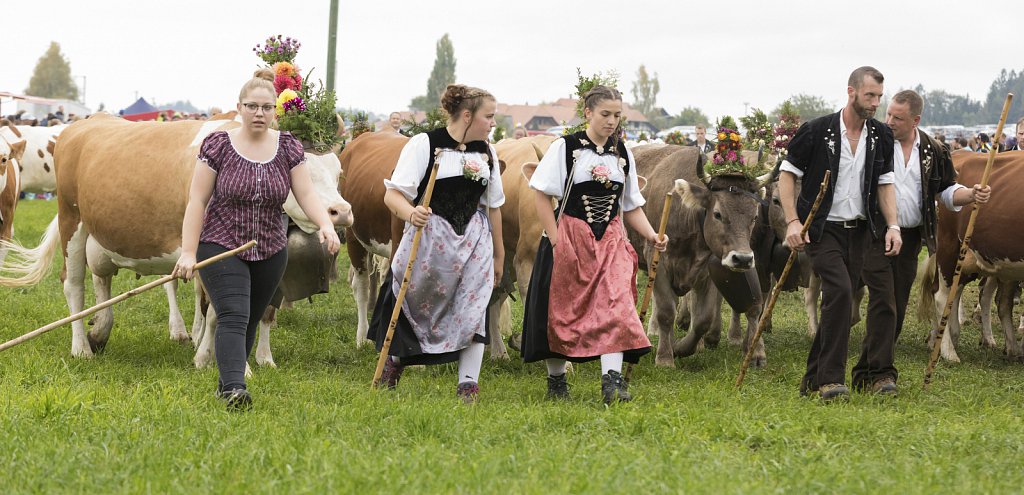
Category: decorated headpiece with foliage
[303,109]
[789,122]
[759,131]
[583,86]
[728,158]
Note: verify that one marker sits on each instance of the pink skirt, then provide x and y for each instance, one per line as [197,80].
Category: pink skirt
[592,304]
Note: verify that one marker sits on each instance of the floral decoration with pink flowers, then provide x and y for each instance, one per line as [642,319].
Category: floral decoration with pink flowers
[601,173]
[474,170]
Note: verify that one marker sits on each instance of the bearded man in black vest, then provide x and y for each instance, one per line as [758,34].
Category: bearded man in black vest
[858,150]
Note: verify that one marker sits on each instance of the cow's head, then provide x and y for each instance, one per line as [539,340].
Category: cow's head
[729,207]
[324,170]
[10,155]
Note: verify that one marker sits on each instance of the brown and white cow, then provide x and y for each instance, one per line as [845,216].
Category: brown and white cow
[366,162]
[710,225]
[996,249]
[37,175]
[10,186]
[122,188]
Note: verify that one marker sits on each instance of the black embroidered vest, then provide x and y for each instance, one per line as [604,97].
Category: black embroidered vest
[456,198]
[593,202]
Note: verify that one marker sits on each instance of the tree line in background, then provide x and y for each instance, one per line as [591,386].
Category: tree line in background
[940,107]
[52,79]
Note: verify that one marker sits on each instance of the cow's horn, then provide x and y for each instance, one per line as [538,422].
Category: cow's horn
[701,159]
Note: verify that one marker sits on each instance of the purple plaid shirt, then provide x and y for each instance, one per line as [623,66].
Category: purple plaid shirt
[247,197]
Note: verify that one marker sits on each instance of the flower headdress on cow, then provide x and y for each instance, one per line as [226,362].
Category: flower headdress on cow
[759,131]
[303,108]
[789,122]
[728,159]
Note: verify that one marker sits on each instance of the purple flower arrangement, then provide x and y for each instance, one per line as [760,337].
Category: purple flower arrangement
[294,105]
[278,49]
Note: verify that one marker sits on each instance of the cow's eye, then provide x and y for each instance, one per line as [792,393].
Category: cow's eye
[718,216]
[776,201]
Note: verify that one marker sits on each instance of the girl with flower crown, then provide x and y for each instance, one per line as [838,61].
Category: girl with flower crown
[581,303]
[443,317]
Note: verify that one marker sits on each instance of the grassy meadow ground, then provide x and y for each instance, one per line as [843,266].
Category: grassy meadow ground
[141,419]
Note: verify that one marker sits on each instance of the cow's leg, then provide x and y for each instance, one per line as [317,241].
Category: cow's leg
[499,317]
[175,322]
[359,279]
[199,315]
[811,295]
[735,334]
[987,292]
[205,351]
[74,289]
[663,314]
[683,313]
[263,354]
[1005,305]
[103,271]
[706,301]
[952,333]
[858,296]
[760,358]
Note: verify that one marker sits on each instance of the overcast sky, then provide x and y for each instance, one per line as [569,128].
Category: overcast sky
[523,51]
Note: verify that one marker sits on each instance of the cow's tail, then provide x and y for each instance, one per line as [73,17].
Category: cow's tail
[23,266]
[928,285]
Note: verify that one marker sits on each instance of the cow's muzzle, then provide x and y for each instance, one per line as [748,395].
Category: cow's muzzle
[341,214]
[738,262]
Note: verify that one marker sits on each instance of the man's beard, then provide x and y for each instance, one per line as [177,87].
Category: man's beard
[862,111]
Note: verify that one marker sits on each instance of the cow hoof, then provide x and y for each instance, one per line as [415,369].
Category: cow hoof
[665,362]
[248,371]
[182,338]
[759,361]
[712,344]
[202,362]
[96,345]
[269,362]
[84,352]
[501,356]
[735,342]
[989,343]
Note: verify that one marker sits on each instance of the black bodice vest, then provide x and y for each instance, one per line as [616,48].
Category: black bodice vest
[456,198]
[591,201]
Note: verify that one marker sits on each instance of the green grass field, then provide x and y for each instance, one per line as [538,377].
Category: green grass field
[140,418]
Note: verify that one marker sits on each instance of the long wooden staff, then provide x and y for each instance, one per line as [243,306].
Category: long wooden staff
[767,312]
[405,282]
[964,245]
[652,271]
[110,302]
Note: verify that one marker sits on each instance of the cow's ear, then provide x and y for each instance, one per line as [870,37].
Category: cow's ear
[692,196]
[501,166]
[18,150]
[642,182]
[51,144]
[528,169]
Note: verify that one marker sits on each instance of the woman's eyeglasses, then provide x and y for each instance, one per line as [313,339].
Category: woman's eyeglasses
[252,107]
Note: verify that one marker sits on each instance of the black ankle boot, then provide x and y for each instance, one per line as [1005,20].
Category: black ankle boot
[392,373]
[614,387]
[558,388]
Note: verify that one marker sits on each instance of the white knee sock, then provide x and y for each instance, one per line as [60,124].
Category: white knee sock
[555,366]
[611,362]
[470,360]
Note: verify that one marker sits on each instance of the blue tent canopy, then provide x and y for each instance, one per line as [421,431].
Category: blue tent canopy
[140,106]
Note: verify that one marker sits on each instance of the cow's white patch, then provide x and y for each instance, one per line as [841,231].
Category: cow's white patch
[205,130]
[156,265]
[36,162]
[379,249]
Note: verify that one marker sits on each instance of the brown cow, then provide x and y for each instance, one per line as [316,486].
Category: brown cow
[122,188]
[710,225]
[365,163]
[996,249]
[10,187]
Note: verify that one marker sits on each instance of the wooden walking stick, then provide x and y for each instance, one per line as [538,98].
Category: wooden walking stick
[652,271]
[114,300]
[964,246]
[767,311]
[405,283]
